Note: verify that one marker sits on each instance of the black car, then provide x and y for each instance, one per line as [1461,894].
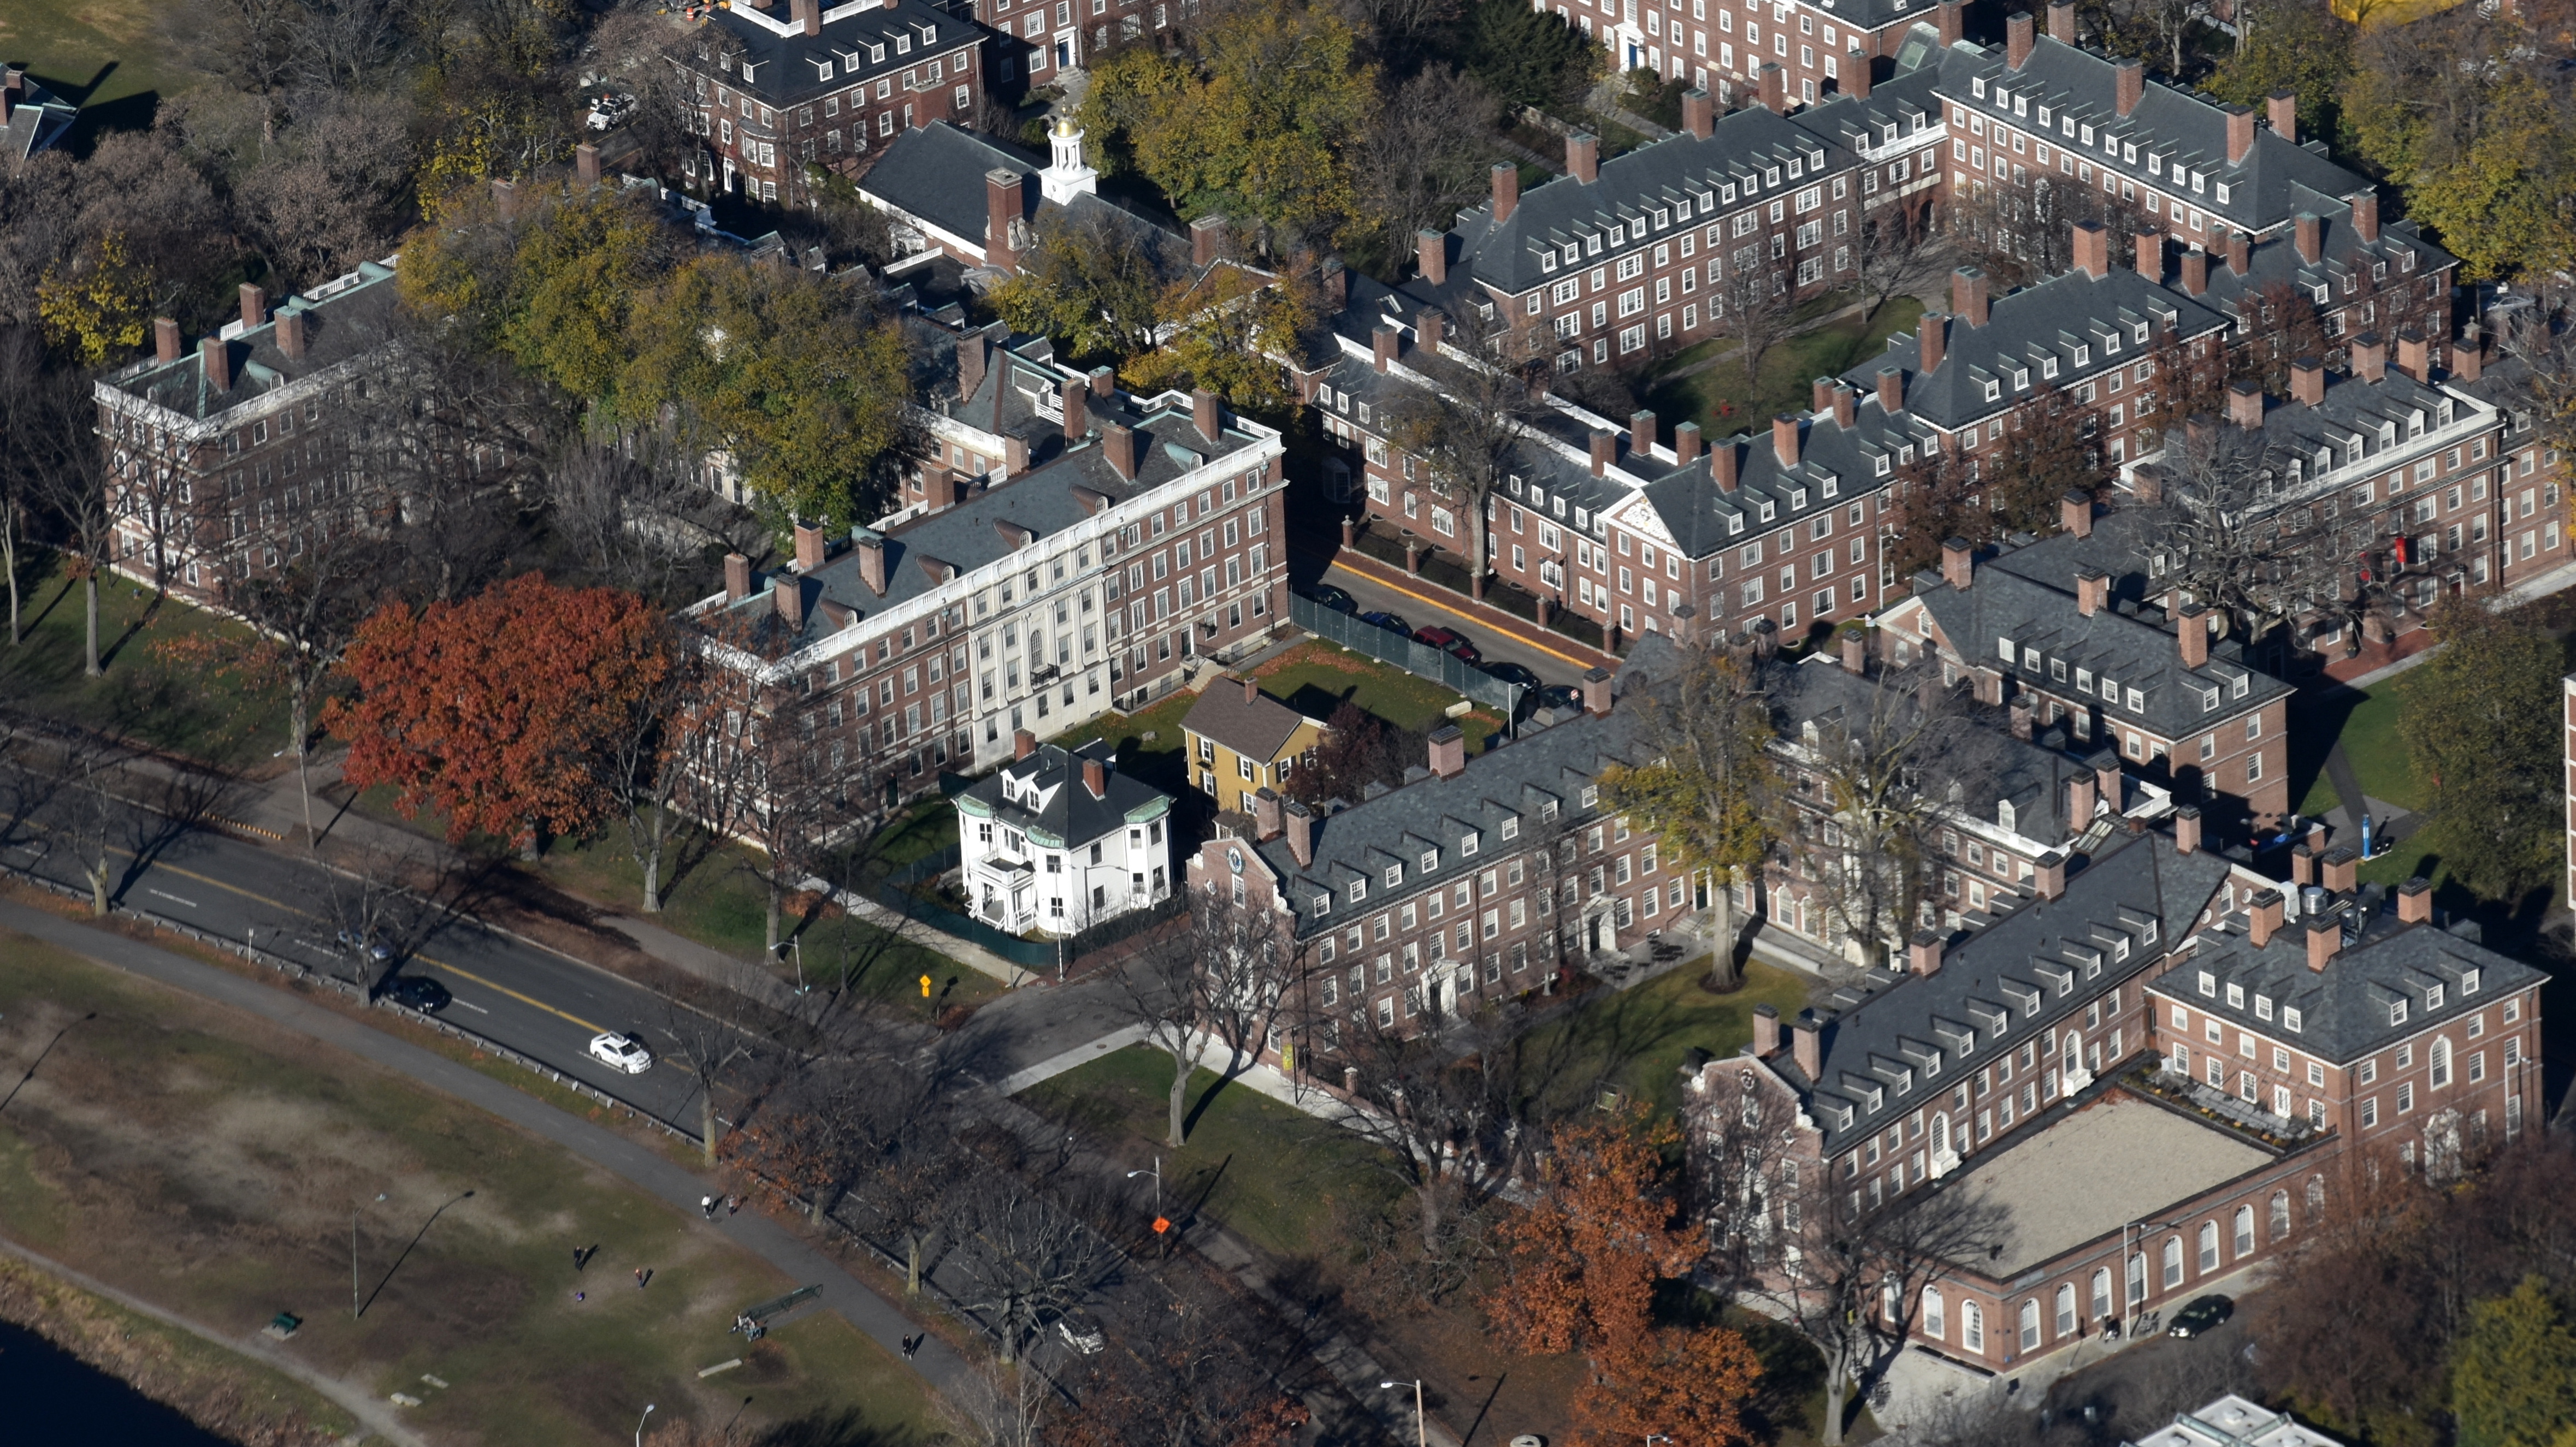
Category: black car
[1333,598]
[2200,1316]
[1512,673]
[1563,697]
[1389,622]
[418,992]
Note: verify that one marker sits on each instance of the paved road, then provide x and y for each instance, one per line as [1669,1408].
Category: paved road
[1425,611]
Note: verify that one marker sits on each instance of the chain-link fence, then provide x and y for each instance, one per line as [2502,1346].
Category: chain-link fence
[1419,659]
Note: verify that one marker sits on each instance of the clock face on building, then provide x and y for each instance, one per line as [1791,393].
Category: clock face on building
[1234,860]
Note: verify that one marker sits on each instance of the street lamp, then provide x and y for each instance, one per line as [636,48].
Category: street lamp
[639,1424]
[1421,1428]
[2132,1300]
[1162,1235]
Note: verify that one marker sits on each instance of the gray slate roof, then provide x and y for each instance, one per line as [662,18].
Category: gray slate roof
[2008,983]
[886,39]
[2341,252]
[2344,1009]
[343,319]
[2345,428]
[1256,729]
[1068,817]
[936,172]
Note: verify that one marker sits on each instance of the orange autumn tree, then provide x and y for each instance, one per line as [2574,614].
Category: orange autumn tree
[1688,1385]
[1581,1260]
[500,711]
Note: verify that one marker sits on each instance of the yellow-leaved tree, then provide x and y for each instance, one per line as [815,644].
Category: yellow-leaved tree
[1706,787]
[97,307]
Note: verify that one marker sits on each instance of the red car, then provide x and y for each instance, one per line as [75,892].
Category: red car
[1449,643]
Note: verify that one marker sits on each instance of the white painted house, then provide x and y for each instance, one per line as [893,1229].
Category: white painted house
[1058,840]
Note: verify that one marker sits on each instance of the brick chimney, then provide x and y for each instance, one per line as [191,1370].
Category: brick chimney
[1076,395]
[1784,439]
[737,574]
[2017,39]
[2075,513]
[1775,89]
[585,164]
[2061,21]
[1699,114]
[2240,133]
[1382,345]
[166,343]
[2308,382]
[2093,246]
[1118,444]
[1686,443]
[2365,215]
[1002,206]
[2195,271]
[1095,779]
[1820,394]
[2311,233]
[1953,20]
[2325,941]
[970,364]
[2151,253]
[2414,355]
[2106,778]
[2369,357]
[1208,416]
[2284,108]
[1428,327]
[2240,252]
[1268,820]
[1207,240]
[1766,1031]
[1855,651]
[1923,953]
[1932,335]
[1958,564]
[809,547]
[1806,1043]
[2092,591]
[1023,744]
[2021,714]
[806,16]
[1448,751]
[290,332]
[2415,901]
[2187,830]
[2128,83]
[1846,407]
[1721,465]
[1507,191]
[1968,295]
[217,355]
[2263,917]
[2191,631]
[1583,157]
[1301,833]
[872,562]
[2245,402]
[2147,480]
[1596,691]
[2336,870]
[1605,450]
[789,595]
[254,307]
[2468,357]
[1641,432]
[1431,253]
[2048,875]
[1855,77]
[2083,796]
[1891,390]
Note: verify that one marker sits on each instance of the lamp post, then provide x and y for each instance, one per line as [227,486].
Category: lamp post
[639,1424]
[1162,1236]
[2131,1301]
[1421,1428]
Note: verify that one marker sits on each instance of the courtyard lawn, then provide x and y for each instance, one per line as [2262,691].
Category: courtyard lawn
[1724,402]
[1635,1041]
[113,58]
[2365,722]
[143,693]
[1316,677]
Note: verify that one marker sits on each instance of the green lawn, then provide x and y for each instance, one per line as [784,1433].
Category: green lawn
[100,53]
[1271,1173]
[1721,400]
[211,1163]
[1317,677]
[2368,731]
[145,693]
[1635,1040]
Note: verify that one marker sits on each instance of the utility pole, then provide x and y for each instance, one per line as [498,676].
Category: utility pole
[353,1261]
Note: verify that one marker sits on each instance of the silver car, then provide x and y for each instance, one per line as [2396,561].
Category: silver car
[622,1052]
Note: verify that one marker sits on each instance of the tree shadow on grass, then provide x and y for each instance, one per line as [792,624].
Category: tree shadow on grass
[839,1427]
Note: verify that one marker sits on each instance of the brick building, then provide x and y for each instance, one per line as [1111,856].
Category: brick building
[823,86]
[1037,42]
[1810,51]
[222,459]
[965,195]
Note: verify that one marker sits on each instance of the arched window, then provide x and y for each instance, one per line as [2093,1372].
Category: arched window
[2137,1278]
[2173,1262]
[1891,1302]
[2280,1214]
[2244,1232]
[2074,1052]
[1940,1133]
[1933,1324]
[2030,1326]
[1972,1326]
[2066,1309]
[2208,1247]
[2316,1195]
[2101,1293]
[2441,1063]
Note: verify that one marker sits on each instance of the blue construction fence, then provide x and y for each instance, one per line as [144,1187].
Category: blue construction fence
[1419,659]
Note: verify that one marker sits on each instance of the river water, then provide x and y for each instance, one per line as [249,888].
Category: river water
[49,1395]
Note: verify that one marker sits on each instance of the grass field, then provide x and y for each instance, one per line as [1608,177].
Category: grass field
[1316,677]
[113,57]
[208,1162]
[1635,1040]
[1724,402]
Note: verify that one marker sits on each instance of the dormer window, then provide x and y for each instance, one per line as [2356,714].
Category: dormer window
[1394,875]
[2290,1018]
[1359,890]
[2432,998]
[1430,860]
[2262,1007]
[2235,996]
[2468,982]
[2208,985]
[1512,827]
[2396,1012]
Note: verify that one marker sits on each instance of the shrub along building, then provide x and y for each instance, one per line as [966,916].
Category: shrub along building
[1119,541]
[2052,1065]
[820,86]
[223,459]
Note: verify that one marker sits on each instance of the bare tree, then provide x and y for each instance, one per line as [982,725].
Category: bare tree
[1024,1257]
[2240,538]
[1751,304]
[49,426]
[454,440]
[707,1028]
[1437,1092]
[1221,977]
[1899,253]
[1425,153]
[1473,426]
[1706,785]
[640,521]
[382,904]
[999,1404]
[305,614]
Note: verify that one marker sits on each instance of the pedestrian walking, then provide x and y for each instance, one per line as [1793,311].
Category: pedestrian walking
[732,1204]
[640,1274]
[911,1344]
[580,1258]
[580,1296]
[707,1207]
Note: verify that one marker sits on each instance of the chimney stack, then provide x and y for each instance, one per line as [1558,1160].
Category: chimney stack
[2048,875]
[1207,240]
[1431,254]
[2092,591]
[1076,396]
[2240,134]
[2415,901]
[1448,751]
[737,574]
[166,345]
[872,561]
[2191,631]
[1686,443]
[2106,779]
[1641,432]
[970,364]
[2187,830]
[1932,334]
[1953,21]
[2263,917]
[2240,252]
[1958,567]
[1428,327]
[806,16]
[2017,39]
[2245,403]
[1968,295]
[1004,203]
[2093,246]
[1301,833]
[2020,716]
[585,164]
[2128,83]
[2468,356]
[2308,382]
[254,307]
[1766,1031]
[1855,77]
[2151,253]
[1855,651]
[1846,407]
[290,332]
[2311,234]
[1891,390]
[1775,89]
[1583,157]
[1023,744]
[2365,215]
[1605,450]
[1382,345]
[789,594]
[2061,21]
[2369,357]
[1820,394]
[2414,355]
[2325,941]
[2303,865]
[2195,271]
[2075,513]
[1784,439]
[1923,953]
[1507,191]
[2082,799]
[1268,819]
[1596,691]
[217,355]
[1205,412]
[2284,107]
[2337,869]
[1699,114]
[1805,1044]
[809,547]
[1118,443]
[1095,779]
[1721,465]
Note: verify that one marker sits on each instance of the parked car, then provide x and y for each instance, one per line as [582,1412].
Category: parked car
[1450,642]
[1389,622]
[2201,1315]
[418,992]
[624,1052]
[366,946]
[1562,697]
[612,109]
[1513,673]
[1081,1331]
[1332,597]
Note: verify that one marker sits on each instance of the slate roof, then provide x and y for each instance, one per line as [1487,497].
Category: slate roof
[936,172]
[1894,110]
[859,42]
[1836,466]
[2341,254]
[1256,729]
[2344,1009]
[2010,982]
[2344,429]
[344,319]
[2028,596]
[2080,324]
[2277,179]
[1066,815]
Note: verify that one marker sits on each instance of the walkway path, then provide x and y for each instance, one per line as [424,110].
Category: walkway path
[636,1163]
[378,1416]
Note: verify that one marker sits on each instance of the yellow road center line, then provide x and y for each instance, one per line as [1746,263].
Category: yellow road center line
[1470,619]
